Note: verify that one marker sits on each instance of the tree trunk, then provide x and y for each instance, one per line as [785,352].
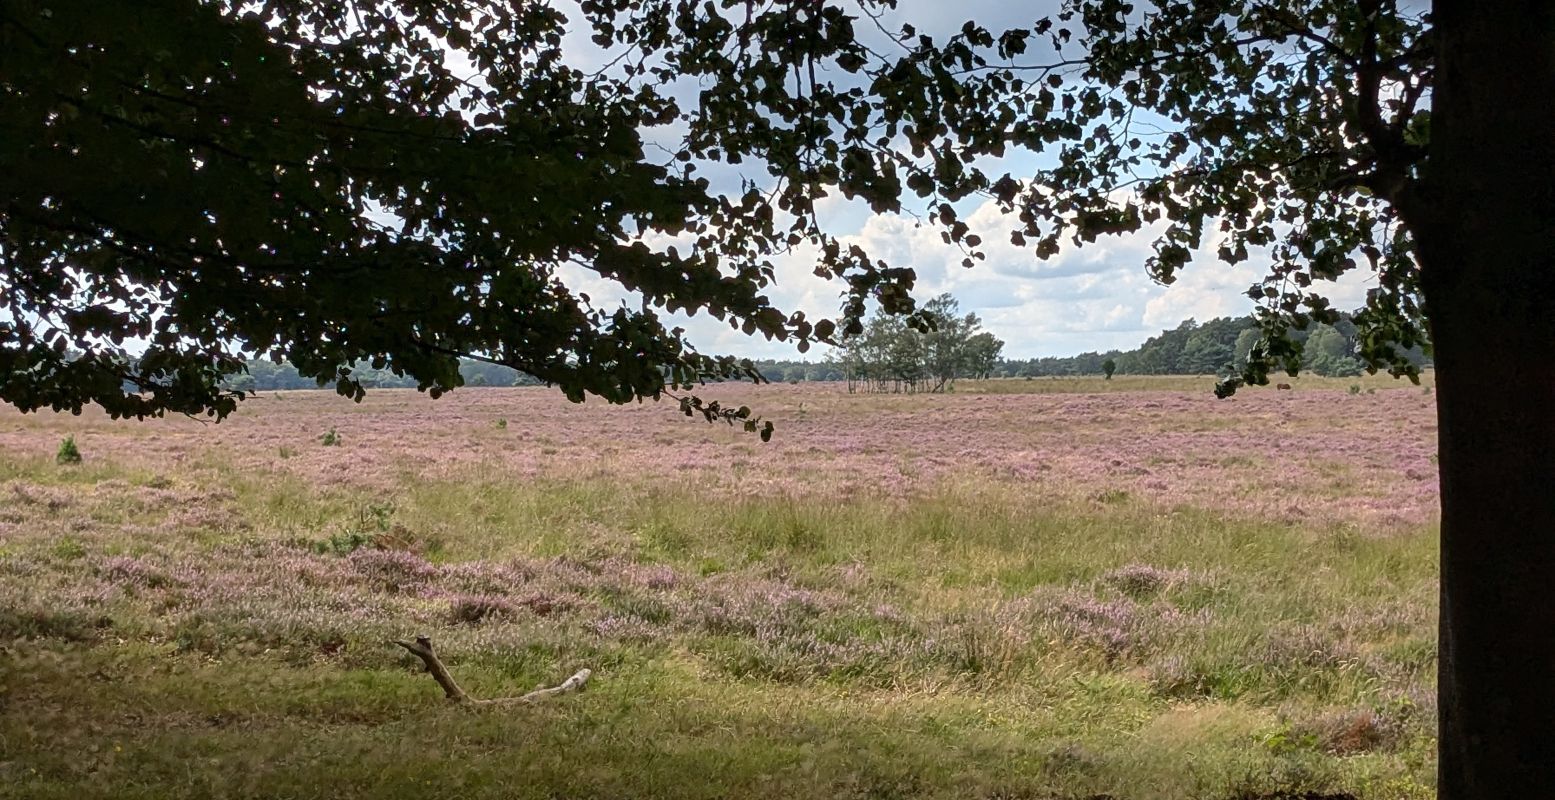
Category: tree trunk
[1485,227]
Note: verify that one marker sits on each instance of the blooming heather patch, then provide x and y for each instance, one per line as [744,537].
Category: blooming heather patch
[1117,628]
[475,608]
[134,571]
[393,571]
[1304,646]
[1307,457]
[295,600]
[26,494]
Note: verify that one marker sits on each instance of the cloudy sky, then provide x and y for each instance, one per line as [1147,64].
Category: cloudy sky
[1097,297]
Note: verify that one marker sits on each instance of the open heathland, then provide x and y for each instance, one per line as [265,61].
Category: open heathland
[1060,588]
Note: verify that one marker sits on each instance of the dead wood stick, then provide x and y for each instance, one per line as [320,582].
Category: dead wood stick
[422,649]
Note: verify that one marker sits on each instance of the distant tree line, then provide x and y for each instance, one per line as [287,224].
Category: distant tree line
[801,371]
[265,375]
[891,356]
[1192,348]
[1208,348]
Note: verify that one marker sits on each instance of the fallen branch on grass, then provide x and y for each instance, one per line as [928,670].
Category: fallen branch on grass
[422,649]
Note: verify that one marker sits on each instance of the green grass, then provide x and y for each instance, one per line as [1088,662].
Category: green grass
[938,663]
[657,728]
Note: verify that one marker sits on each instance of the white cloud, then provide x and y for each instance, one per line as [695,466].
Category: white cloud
[1092,297]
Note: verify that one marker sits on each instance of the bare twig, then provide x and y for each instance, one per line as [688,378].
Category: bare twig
[422,649]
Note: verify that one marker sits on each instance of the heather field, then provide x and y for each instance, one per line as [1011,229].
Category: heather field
[1059,588]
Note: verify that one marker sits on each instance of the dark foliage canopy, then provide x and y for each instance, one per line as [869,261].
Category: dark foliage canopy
[400,182]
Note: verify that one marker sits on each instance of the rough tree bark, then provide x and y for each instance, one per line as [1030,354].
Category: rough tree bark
[1485,228]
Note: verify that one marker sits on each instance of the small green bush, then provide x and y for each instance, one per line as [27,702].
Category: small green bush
[68,453]
[502,424]
[367,530]
[69,549]
[1355,388]
[344,543]
[330,439]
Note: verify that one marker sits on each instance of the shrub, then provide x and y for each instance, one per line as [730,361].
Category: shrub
[126,570]
[1347,732]
[344,543]
[330,439]
[68,453]
[1355,389]
[393,571]
[502,424]
[69,549]
[472,609]
[369,529]
[1142,581]
[73,624]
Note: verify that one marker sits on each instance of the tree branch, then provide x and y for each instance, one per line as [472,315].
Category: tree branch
[1391,155]
[422,648]
[1293,25]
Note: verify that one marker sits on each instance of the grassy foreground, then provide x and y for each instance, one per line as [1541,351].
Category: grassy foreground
[212,627]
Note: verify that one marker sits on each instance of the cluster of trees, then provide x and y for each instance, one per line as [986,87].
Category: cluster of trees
[924,353]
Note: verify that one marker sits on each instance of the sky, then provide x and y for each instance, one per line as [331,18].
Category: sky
[1094,298]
